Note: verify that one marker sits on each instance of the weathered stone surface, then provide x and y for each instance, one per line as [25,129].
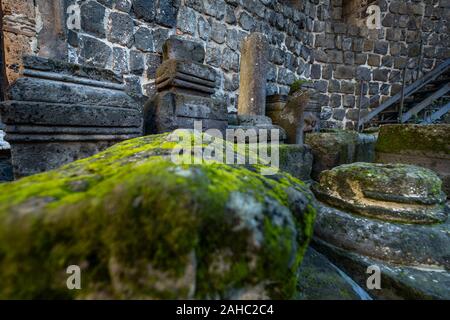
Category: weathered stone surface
[245,238]
[166,13]
[398,282]
[426,146]
[253,74]
[65,68]
[404,244]
[92,15]
[59,114]
[405,139]
[390,216]
[145,9]
[95,52]
[391,192]
[137,62]
[319,279]
[169,111]
[121,28]
[331,149]
[170,67]
[6,170]
[30,89]
[291,117]
[143,39]
[183,49]
[296,160]
[80,113]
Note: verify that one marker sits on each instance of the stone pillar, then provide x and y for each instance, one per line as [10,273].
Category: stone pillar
[60,112]
[52,35]
[253,75]
[185,88]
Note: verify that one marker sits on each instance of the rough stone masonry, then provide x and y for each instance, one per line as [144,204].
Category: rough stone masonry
[323,41]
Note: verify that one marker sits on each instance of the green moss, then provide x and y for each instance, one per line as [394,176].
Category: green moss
[414,138]
[133,220]
[297,86]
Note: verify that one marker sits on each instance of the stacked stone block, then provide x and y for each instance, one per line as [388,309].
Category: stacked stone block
[311,39]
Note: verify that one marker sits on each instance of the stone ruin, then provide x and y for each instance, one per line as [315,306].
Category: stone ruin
[228,56]
[60,112]
[253,79]
[392,216]
[185,86]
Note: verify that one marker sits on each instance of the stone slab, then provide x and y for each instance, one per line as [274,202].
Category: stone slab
[31,89]
[422,145]
[296,160]
[41,113]
[438,163]
[183,49]
[61,67]
[168,111]
[397,282]
[36,157]
[202,71]
[411,245]
[319,279]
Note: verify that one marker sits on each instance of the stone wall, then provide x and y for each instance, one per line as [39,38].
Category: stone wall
[310,39]
[348,54]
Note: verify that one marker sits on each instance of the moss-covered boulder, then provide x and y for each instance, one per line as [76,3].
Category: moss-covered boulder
[391,192]
[392,215]
[141,226]
[423,145]
[336,147]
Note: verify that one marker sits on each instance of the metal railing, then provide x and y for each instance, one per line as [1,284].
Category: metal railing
[407,90]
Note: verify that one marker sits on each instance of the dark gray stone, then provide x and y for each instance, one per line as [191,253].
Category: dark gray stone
[136,62]
[123,5]
[183,49]
[145,9]
[218,32]
[120,60]
[143,39]
[230,17]
[381,47]
[121,28]
[153,61]
[246,21]
[363,73]
[187,20]
[319,279]
[344,72]
[75,117]
[95,52]
[230,60]
[160,35]
[254,64]
[30,89]
[166,13]
[214,56]
[335,101]
[92,15]
[204,28]
[65,68]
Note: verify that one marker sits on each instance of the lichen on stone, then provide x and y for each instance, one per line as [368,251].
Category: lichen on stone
[141,226]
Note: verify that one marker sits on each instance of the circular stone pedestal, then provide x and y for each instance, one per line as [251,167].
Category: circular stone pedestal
[393,216]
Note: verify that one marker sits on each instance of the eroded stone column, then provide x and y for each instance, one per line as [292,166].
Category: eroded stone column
[253,75]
